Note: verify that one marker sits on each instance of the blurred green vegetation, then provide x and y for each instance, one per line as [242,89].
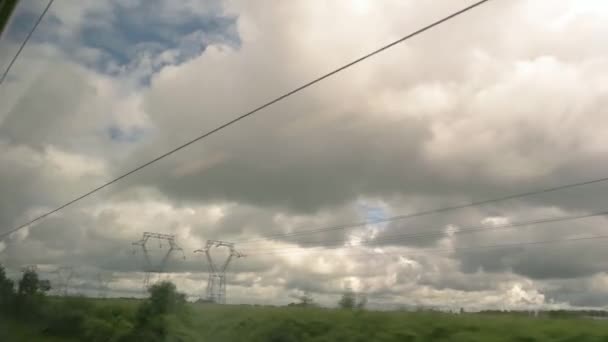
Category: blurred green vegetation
[6,9]
[250,323]
[165,316]
[77,319]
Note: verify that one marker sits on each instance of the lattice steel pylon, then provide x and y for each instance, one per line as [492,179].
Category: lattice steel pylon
[216,285]
[159,267]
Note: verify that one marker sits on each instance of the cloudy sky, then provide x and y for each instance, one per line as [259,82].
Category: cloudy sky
[508,98]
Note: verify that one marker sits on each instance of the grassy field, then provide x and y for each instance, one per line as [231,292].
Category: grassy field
[214,323]
[207,322]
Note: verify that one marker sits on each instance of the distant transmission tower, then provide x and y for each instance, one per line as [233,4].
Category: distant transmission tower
[63,276]
[216,285]
[152,267]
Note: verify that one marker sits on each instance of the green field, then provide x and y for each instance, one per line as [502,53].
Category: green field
[27,313]
[208,322]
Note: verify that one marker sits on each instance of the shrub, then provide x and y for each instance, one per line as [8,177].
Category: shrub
[98,330]
[30,297]
[29,307]
[66,316]
[348,300]
[151,321]
[7,292]
[30,284]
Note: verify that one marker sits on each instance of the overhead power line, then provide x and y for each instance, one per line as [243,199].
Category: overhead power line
[422,213]
[387,240]
[27,38]
[253,111]
[467,248]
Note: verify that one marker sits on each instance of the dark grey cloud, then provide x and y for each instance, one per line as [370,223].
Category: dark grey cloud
[586,292]
[545,261]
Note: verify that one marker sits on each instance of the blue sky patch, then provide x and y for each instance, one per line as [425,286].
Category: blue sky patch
[373,213]
[118,134]
[141,25]
[126,34]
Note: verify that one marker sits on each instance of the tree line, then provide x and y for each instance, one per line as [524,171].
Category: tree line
[27,302]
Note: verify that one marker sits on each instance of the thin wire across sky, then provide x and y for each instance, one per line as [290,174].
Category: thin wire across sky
[466,249]
[329,244]
[27,38]
[396,239]
[423,213]
[248,114]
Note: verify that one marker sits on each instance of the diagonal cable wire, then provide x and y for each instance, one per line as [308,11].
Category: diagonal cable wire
[414,235]
[423,213]
[253,111]
[421,251]
[27,38]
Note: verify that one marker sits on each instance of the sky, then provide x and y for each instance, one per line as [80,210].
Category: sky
[508,98]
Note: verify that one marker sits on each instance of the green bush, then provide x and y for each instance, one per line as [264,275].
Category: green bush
[68,323]
[30,299]
[66,316]
[348,300]
[165,317]
[165,299]
[29,307]
[120,319]
[154,329]
[7,292]
[98,330]
[150,320]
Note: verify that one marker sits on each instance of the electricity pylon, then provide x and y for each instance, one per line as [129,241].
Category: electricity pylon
[63,276]
[216,285]
[151,267]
